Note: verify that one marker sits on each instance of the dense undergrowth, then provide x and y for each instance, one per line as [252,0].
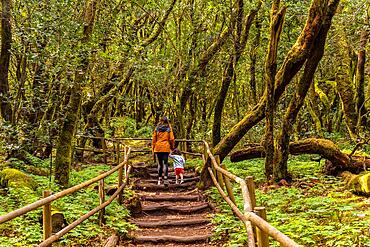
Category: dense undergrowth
[315,210]
[27,230]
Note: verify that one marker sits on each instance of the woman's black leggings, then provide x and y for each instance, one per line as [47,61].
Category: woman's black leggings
[162,164]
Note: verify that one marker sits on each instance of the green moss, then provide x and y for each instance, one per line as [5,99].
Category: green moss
[359,183]
[10,177]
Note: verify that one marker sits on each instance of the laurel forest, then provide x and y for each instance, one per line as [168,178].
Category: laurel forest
[280,91]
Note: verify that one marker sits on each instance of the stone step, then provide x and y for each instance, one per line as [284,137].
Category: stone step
[171,179]
[170,197]
[180,235]
[170,223]
[163,187]
[173,239]
[171,208]
[172,175]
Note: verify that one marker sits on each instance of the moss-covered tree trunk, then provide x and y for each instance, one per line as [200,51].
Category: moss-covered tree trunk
[241,38]
[276,25]
[280,169]
[346,87]
[293,62]
[6,43]
[360,78]
[63,157]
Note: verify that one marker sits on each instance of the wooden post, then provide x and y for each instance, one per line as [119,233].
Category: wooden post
[262,238]
[228,186]
[120,176]
[46,217]
[205,154]
[104,151]
[251,190]
[185,149]
[101,201]
[114,152]
[125,157]
[127,175]
[220,176]
[118,152]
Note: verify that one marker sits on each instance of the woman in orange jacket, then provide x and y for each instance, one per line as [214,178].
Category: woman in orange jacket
[163,141]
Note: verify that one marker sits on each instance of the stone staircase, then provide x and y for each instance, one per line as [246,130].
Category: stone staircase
[173,214]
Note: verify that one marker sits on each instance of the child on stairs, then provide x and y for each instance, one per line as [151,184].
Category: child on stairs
[178,165]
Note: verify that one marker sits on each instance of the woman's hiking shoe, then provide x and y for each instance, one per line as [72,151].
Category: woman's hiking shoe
[159,181]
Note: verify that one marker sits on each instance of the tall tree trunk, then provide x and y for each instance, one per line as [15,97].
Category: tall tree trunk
[239,46]
[346,90]
[63,158]
[276,26]
[297,101]
[217,116]
[253,57]
[6,43]
[293,62]
[311,104]
[204,59]
[360,78]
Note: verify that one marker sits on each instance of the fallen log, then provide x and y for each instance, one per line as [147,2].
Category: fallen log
[336,163]
[112,241]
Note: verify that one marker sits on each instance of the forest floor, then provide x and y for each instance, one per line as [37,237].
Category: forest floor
[314,210]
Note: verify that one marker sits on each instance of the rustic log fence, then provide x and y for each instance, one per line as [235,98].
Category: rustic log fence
[251,216]
[122,168]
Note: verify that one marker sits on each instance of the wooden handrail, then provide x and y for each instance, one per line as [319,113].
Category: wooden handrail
[246,198]
[39,203]
[65,230]
[135,138]
[100,150]
[249,215]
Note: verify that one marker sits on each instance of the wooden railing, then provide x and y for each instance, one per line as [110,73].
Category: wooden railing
[118,141]
[251,215]
[122,167]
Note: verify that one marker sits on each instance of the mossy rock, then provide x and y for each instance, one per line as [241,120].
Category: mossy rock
[359,184]
[14,178]
[3,165]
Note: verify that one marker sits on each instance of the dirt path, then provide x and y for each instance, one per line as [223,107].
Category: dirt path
[173,215]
